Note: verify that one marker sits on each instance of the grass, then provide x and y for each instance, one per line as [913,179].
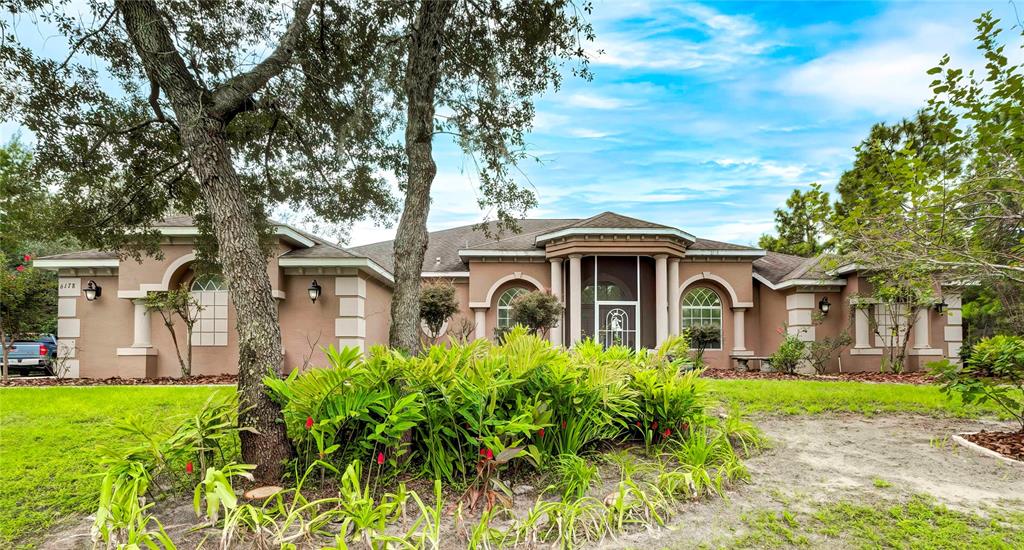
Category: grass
[815,397]
[48,438]
[48,435]
[918,522]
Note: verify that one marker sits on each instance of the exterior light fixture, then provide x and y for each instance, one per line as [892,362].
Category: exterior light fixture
[940,306]
[824,305]
[314,290]
[93,291]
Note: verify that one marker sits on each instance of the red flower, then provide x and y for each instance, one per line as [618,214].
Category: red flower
[563,424]
[188,467]
[654,425]
[27,258]
[540,432]
[20,268]
[637,423]
[487,453]
[667,432]
[380,458]
[309,422]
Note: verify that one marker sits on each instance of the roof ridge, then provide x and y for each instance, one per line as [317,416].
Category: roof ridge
[474,225]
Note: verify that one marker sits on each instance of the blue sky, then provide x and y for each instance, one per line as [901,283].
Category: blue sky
[706,116]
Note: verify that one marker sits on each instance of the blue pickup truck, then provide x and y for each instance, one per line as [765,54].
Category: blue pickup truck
[39,354]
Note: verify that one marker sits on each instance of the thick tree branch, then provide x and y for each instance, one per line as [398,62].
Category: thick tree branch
[233,94]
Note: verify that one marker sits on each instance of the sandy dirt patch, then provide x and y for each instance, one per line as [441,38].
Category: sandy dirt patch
[814,460]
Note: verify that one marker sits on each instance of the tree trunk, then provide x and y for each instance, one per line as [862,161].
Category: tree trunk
[202,120]
[423,68]
[245,267]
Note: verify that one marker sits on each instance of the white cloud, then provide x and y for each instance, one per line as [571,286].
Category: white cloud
[742,232]
[588,133]
[594,101]
[659,35]
[885,72]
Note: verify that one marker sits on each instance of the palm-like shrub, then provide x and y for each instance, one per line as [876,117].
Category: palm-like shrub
[449,410]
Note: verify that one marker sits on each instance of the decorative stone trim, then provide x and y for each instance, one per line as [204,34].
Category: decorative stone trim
[128,352]
[69,327]
[350,325]
[953,332]
[800,307]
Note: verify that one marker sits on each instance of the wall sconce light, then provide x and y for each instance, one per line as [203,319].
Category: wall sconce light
[93,291]
[314,290]
[824,305]
[940,306]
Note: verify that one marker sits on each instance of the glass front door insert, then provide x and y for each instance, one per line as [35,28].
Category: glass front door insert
[617,324]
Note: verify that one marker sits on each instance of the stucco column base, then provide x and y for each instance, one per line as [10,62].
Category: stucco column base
[136,365]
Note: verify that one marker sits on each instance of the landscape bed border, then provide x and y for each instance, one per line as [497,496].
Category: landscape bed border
[916,378]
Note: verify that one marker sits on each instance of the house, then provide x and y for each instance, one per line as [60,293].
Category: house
[622,280]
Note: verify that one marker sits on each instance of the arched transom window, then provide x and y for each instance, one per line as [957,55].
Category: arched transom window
[211,294]
[505,306]
[702,306]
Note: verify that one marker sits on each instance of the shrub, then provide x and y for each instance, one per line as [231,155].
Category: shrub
[537,311]
[437,305]
[821,351]
[994,372]
[700,337]
[575,476]
[788,356]
[467,400]
[175,304]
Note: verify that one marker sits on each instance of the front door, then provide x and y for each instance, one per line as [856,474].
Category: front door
[617,324]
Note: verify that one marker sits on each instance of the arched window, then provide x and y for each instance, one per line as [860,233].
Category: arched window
[505,306]
[702,306]
[211,293]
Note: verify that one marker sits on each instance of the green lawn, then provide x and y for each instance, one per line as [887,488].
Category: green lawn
[813,397]
[48,438]
[918,522]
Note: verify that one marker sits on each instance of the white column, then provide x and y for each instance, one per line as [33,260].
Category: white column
[862,329]
[143,337]
[661,297]
[575,299]
[921,329]
[480,322]
[673,296]
[739,328]
[556,290]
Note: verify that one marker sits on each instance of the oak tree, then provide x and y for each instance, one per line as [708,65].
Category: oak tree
[220,110]
[469,69]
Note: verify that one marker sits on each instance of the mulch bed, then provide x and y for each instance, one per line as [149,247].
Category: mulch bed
[1008,444]
[192,381]
[905,378]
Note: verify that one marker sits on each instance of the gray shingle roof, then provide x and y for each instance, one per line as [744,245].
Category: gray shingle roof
[92,254]
[779,268]
[607,220]
[322,249]
[708,244]
[444,245]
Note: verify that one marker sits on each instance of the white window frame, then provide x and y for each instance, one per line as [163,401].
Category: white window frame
[505,306]
[704,308]
[211,329]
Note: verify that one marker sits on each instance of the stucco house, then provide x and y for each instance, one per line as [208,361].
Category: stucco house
[621,279]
